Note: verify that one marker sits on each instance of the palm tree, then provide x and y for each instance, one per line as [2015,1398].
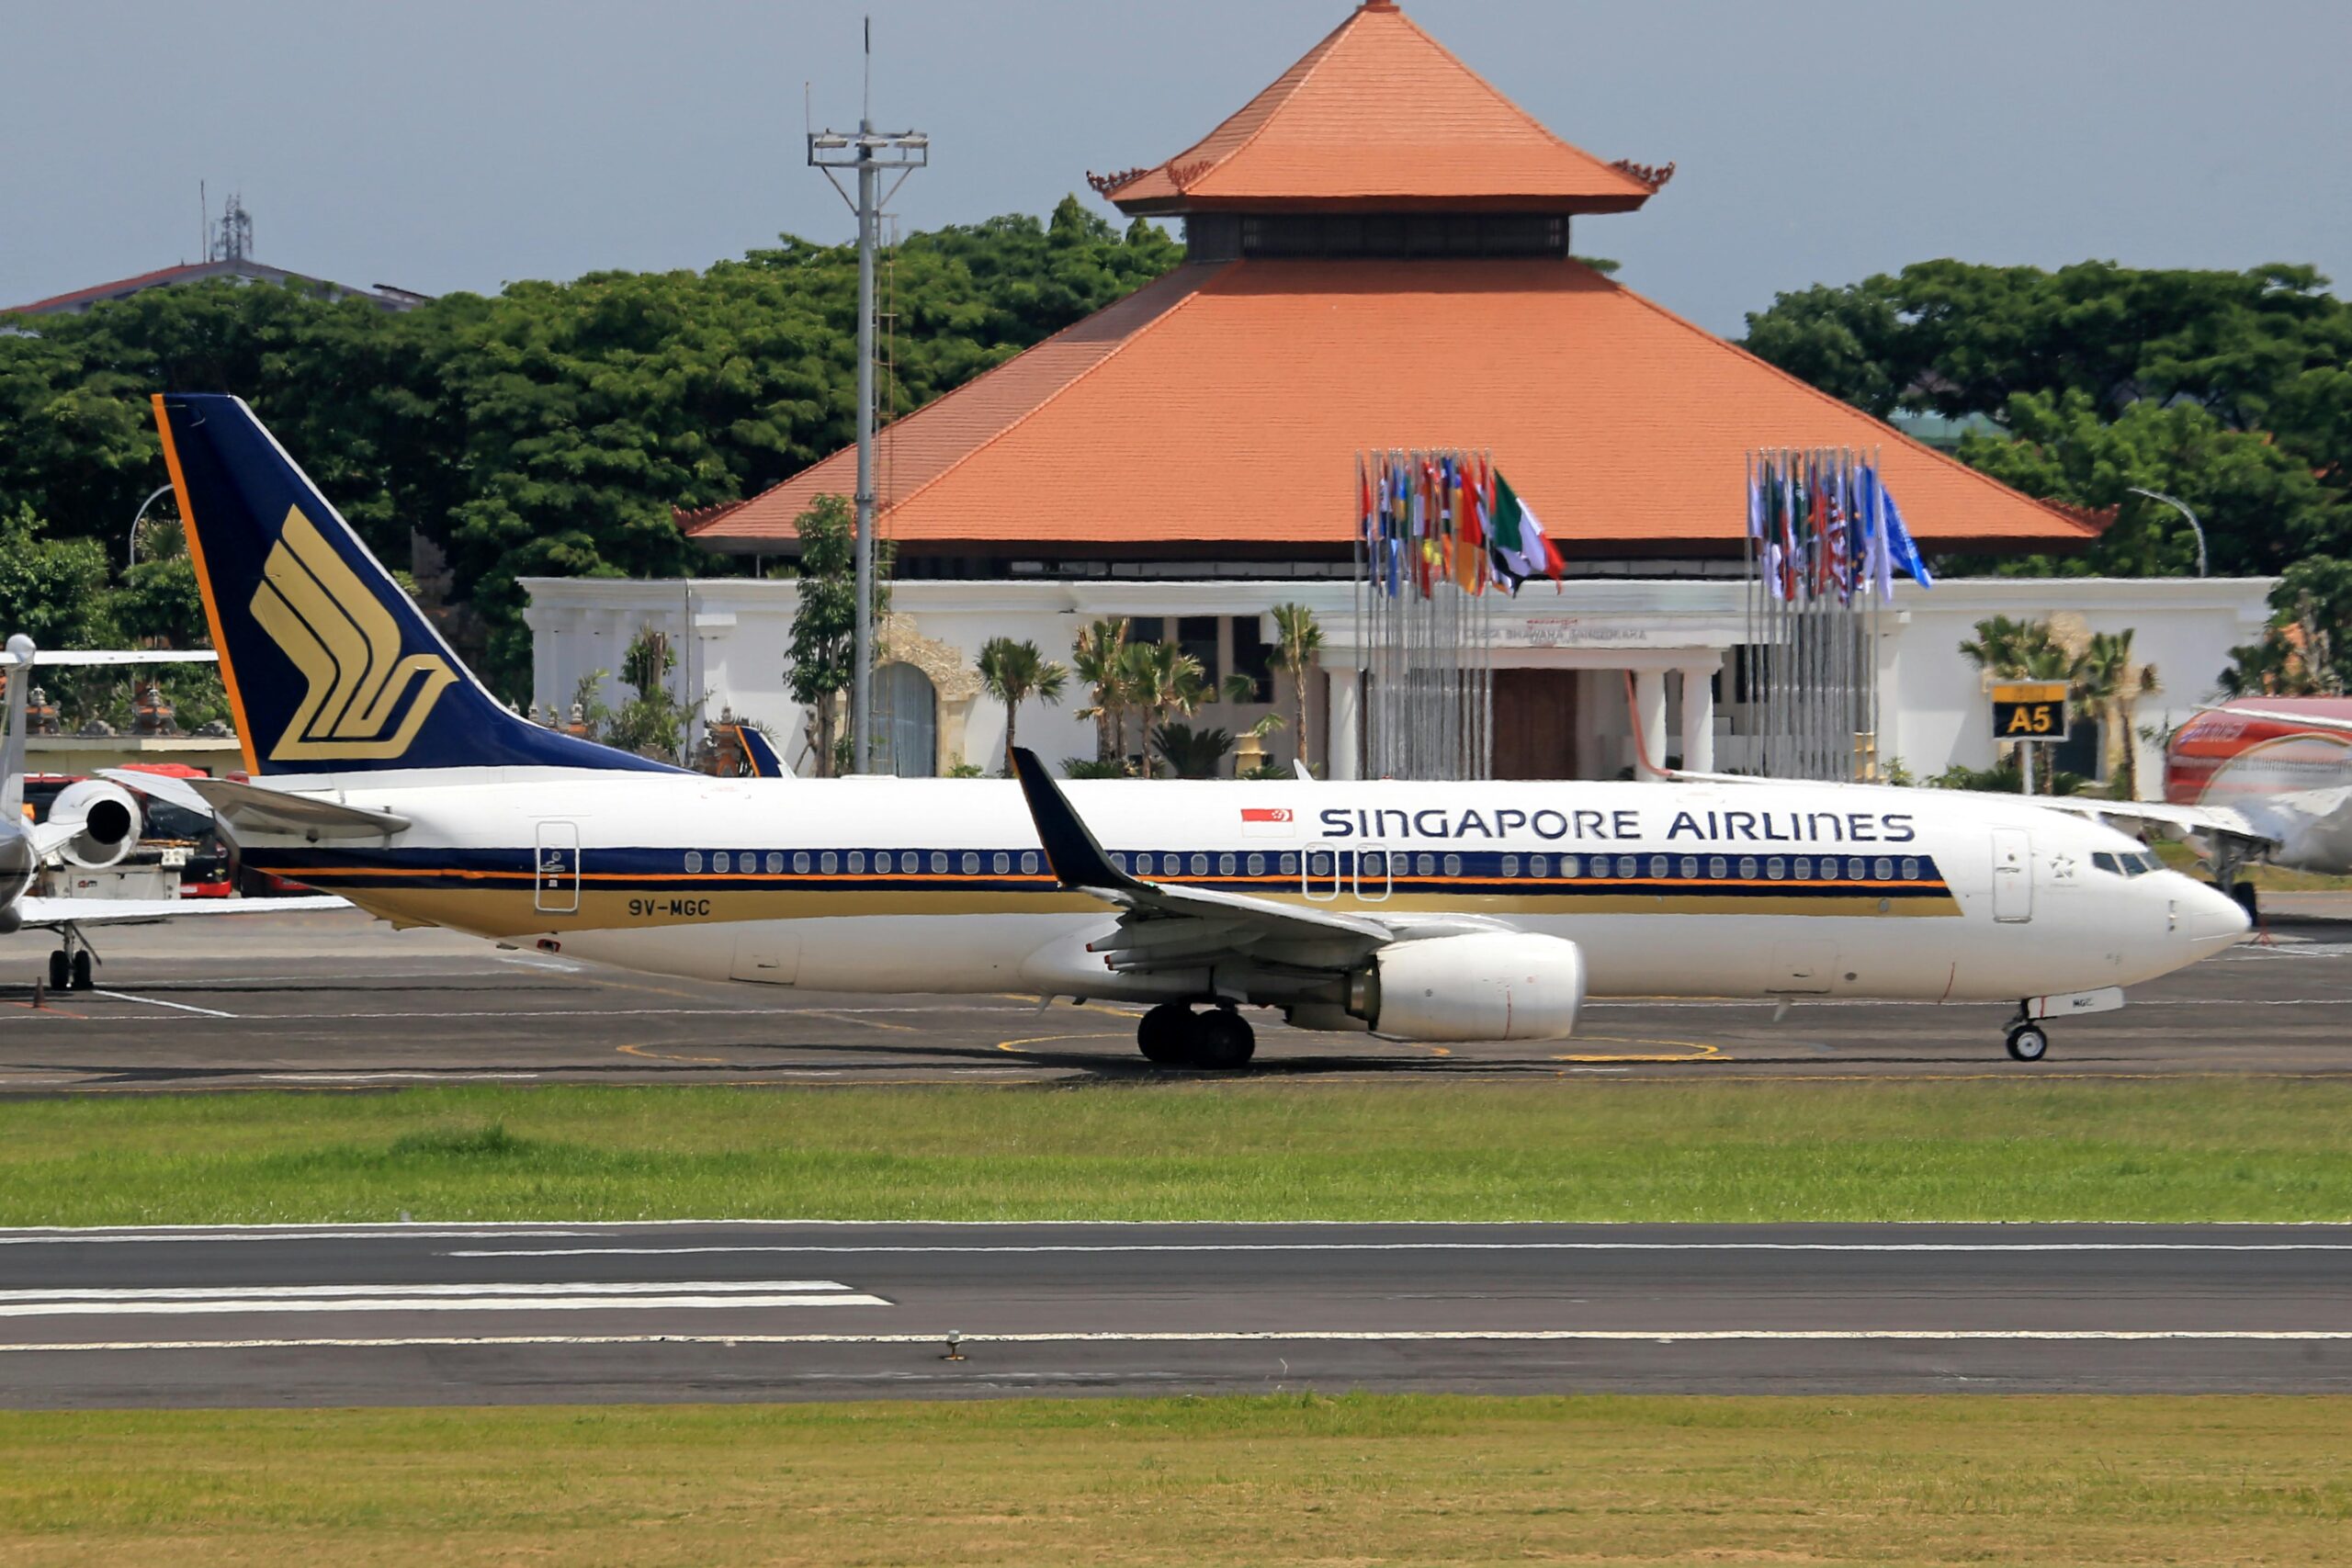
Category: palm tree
[1013,672]
[1095,658]
[2107,682]
[2018,650]
[1297,640]
[1191,753]
[1158,678]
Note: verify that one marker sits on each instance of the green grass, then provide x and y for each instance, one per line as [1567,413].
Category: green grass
[1985,1149]
[2268,878]
[1276,1479]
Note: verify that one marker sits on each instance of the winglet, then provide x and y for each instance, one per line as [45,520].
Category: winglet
[1076,859]
[759,753]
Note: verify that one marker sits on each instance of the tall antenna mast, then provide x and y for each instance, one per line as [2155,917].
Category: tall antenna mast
[871,154]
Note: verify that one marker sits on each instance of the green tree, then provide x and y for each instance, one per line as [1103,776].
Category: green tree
[2303,651]
[2111,683]
[1191,753]
[1297,639]
[1158,679]
[824,623]
[1095,657]
[1013,672]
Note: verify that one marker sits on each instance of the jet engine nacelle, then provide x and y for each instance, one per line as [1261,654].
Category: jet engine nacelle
[104,821]
[1478,985]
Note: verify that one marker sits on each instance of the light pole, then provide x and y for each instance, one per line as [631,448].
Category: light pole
[136,520]
[870,153]
[2181,507]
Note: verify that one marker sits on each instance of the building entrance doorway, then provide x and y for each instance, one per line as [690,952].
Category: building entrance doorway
[1536,724]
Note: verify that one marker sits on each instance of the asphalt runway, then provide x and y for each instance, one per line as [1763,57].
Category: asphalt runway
[426,1315]
[339,1000]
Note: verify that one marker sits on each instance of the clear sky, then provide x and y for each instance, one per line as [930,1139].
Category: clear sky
[447,145]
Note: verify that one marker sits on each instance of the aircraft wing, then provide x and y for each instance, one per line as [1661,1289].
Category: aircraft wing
[1167,927]
[2272,715]
[55,912]
[2225,820]
[312,817]
[162,786]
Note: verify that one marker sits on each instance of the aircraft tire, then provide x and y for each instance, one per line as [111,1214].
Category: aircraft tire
[81,967]
[1222,1040]
[60,976]
[1164,1036]
[2028,1042]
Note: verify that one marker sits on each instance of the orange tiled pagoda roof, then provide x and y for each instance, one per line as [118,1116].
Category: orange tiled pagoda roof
[1380,114]
[1222,406]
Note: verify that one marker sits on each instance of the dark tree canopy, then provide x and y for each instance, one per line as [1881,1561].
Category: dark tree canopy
[548,431]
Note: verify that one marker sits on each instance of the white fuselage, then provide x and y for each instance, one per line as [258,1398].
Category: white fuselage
[902,885]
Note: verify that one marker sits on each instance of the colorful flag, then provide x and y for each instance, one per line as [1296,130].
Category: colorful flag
[1519,537]
[1900,545]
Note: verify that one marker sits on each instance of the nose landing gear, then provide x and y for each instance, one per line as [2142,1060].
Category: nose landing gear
[1173,1035]
[2027,1041]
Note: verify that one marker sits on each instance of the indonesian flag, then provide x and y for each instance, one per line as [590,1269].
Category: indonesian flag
[1268,822]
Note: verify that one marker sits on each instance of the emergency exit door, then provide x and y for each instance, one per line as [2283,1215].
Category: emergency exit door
[2012,875]
[556,882]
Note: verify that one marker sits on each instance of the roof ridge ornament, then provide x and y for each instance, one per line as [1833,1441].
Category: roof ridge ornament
[1105,183]
[1654,175]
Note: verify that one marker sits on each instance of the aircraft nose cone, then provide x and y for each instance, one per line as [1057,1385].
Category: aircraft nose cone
[2210,919]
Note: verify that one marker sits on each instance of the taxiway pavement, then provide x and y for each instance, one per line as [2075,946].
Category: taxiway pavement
[339,1000]
[586,1313]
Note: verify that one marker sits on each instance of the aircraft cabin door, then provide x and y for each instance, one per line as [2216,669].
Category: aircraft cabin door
[556,887]
[2012,875]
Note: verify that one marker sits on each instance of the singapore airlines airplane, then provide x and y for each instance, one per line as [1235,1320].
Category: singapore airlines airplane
[383,771]
[92,823]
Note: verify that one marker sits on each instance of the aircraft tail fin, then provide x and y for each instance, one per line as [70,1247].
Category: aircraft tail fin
[329,666]
[759,753]
[17,669]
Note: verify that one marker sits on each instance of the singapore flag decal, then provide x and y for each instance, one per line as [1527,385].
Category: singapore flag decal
[1268,821]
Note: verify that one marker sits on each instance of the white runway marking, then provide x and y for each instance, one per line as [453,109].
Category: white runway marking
[1367,1335]
[160,1002]
[634,1296]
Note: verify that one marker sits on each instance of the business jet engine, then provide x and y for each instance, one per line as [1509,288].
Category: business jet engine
[104,821]
[1477,986]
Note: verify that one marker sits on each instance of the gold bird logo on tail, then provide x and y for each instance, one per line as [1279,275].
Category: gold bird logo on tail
[349,649]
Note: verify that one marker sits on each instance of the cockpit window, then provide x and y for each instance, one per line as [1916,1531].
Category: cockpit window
[2105,861]
[2137,865]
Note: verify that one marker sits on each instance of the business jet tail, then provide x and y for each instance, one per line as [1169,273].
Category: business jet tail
[332,669]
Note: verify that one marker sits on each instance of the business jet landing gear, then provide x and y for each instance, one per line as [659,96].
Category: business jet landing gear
[1173,1035]
[69,967]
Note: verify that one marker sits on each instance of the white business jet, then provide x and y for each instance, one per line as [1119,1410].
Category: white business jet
[383,771]
[92,823]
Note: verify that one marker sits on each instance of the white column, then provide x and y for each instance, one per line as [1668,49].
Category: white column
[1698,719]
[1343,723]
[1649,721]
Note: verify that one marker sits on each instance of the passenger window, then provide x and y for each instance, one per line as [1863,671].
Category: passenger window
[1225,864]
[1510,866]
[1747,868]
[1883,869]
[1118,858]
[1658,867]
[1539,865]
[1775,868]
[857,860]
[1453,865]
[1200,865]
[1690,868]
[1257,866]
[1625,866]
[1289,864]
[1803,868]
[694,859]
[1855,870]
[971,864]
[1425,865]
[829,863]
[800,862]
[1571,865]
[720,862]
[1910,871]
[775,864]
[1029,862]
[1143,865]
[1716,866]
[938,862]
[1001,864]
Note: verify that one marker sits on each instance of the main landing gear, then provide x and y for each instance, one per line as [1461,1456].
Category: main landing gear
[1173,1035]
[69,967]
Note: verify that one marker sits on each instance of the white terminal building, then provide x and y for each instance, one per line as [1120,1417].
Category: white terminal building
[1379,257]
